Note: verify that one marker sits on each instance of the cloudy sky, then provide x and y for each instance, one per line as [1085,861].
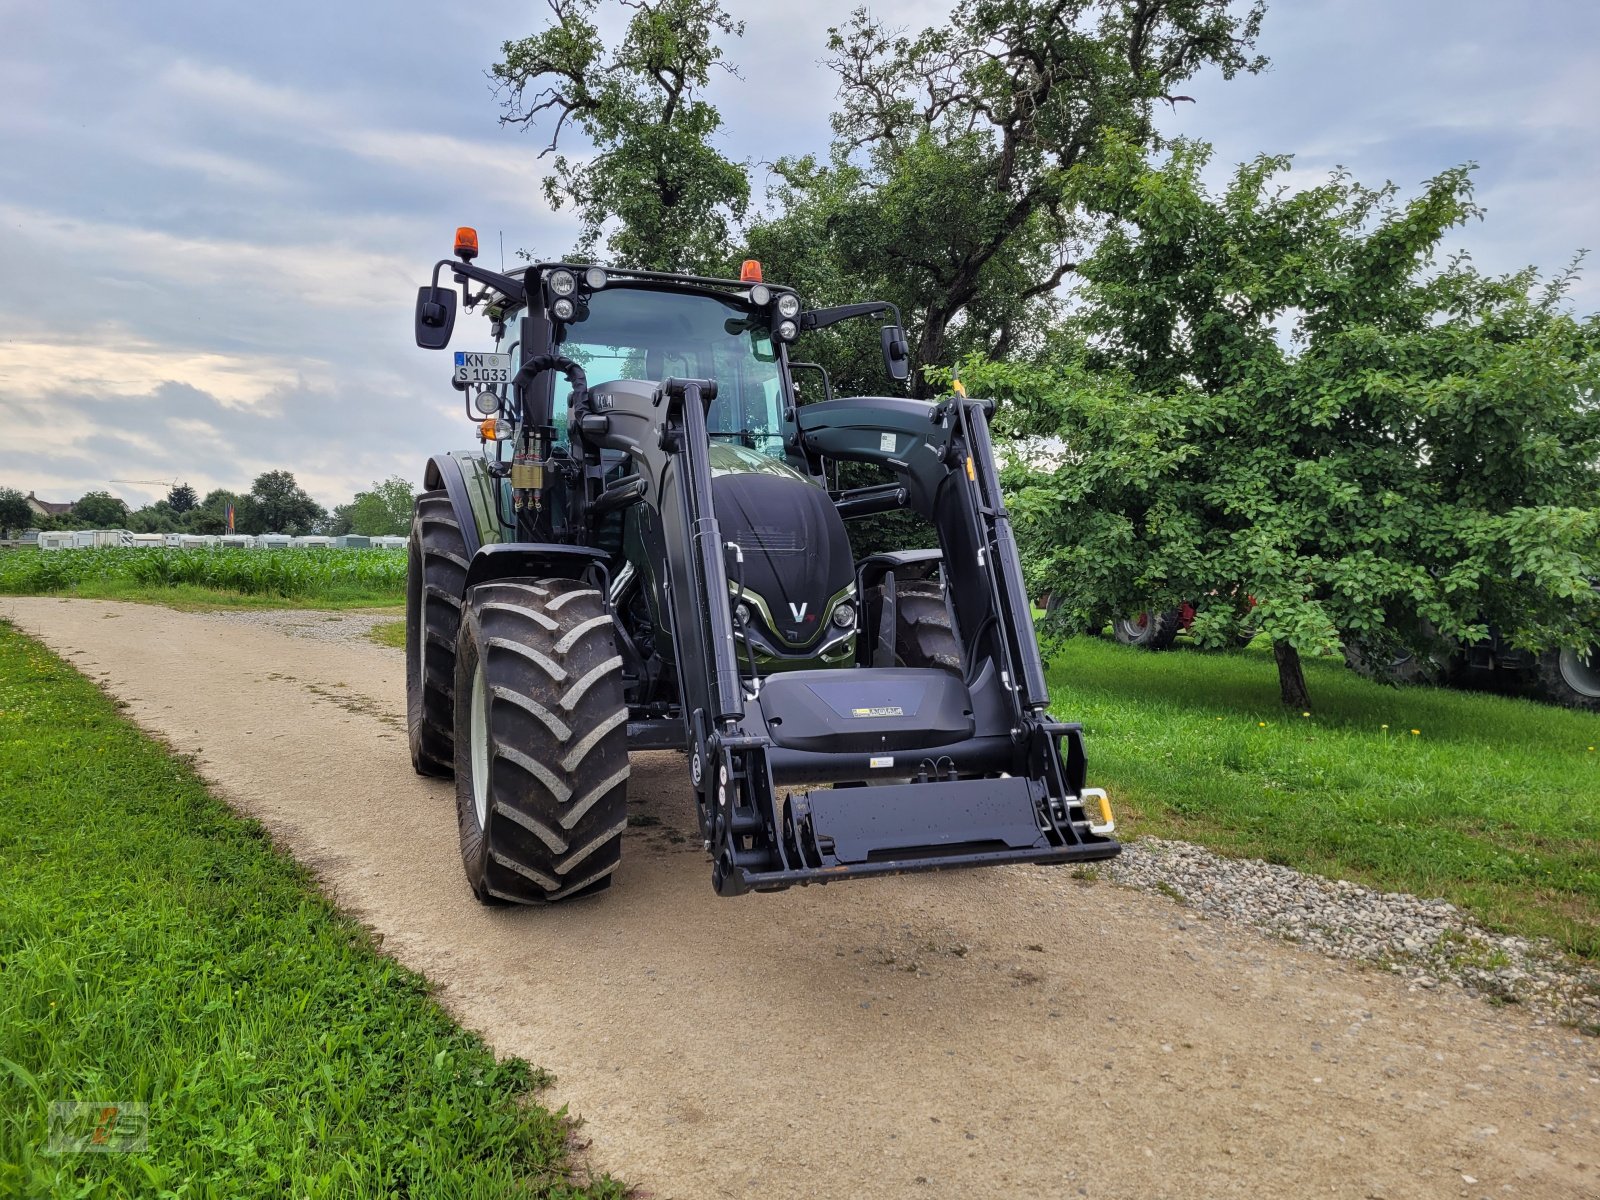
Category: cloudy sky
[214,216]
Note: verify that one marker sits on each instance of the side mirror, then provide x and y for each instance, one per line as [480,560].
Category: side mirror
[436,317]
[896,353]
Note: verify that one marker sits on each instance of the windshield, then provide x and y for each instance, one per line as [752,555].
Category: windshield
[640,333]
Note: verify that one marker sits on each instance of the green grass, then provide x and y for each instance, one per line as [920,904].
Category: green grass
[212,577]
[1493,804]
[389,633]
[156,947]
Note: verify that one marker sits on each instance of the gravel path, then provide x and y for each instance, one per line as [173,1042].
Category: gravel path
[1016,1032]
[349,625]
[1425,941]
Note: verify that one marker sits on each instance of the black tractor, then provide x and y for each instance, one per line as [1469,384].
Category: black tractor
[649,551]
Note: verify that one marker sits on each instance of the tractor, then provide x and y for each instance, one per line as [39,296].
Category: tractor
[649,551]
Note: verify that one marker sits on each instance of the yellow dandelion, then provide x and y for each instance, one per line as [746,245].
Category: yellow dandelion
[1416,733]
[1383,727]
[1305,714]
[1262,724]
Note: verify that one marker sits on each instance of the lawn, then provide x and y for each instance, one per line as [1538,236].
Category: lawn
[1489,802]
[157,948]
[212,578]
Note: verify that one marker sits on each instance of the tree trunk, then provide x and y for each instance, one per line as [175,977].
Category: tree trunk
[1291,679]
[930,349]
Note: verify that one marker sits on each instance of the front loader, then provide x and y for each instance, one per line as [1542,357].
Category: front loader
[646,554]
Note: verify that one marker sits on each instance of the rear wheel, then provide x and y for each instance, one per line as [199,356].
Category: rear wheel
[1569,677]
[436,576]
[542,745]
[923,634]
[1152,630]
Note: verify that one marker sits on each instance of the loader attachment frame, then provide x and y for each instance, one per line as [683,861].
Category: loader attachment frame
[937,773]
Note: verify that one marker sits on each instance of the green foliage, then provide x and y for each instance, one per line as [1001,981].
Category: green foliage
[379,575]
[951,187]
[155,518]
[386,509]
[15,515]
[1280,398]
[158,949]
[182,498]
[280,506]
[100,510]
[668,198]
[212,514]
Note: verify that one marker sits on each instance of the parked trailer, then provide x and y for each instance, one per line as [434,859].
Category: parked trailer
[237,541]
[352,541]
[55,539]
[197,541]
[389,541]
[273,541]
[312,542]
[152,541]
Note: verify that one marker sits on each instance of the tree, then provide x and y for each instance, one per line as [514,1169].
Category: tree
[280,505]
[182,498]
[101,510]
[386,509]
[154,518]
[666,196]
[15,515]
[211,515]
[1281,398]
[951,188]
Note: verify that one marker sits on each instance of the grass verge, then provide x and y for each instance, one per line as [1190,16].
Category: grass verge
[1489,802]
[389,633]
[158,948]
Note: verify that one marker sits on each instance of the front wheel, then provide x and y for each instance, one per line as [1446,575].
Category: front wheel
[542,741]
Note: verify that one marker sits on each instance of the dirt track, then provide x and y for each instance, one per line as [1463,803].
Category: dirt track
[1003,1033]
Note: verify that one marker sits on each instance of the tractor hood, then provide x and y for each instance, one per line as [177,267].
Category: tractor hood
[797,561]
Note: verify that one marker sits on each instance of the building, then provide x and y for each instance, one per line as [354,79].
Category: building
[48,508]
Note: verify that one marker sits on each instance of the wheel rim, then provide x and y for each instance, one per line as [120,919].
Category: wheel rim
[480,747]
[1582,677]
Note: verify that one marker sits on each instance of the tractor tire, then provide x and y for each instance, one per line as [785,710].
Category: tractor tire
[1397,667]
[1563,677]
[1153,631]
[436,576]
[542,747]
[923,634]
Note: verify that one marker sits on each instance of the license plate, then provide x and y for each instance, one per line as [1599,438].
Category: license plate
[473,367]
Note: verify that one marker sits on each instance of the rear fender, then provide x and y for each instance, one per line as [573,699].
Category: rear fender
[474,495]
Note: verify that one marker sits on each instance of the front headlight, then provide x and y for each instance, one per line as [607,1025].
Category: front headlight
[562,309]
[789,305]
[844,614]
[787,330]
[563,283]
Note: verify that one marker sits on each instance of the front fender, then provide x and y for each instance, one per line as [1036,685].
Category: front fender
[535,560]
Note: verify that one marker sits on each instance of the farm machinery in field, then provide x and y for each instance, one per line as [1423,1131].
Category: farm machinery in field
[646,554]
